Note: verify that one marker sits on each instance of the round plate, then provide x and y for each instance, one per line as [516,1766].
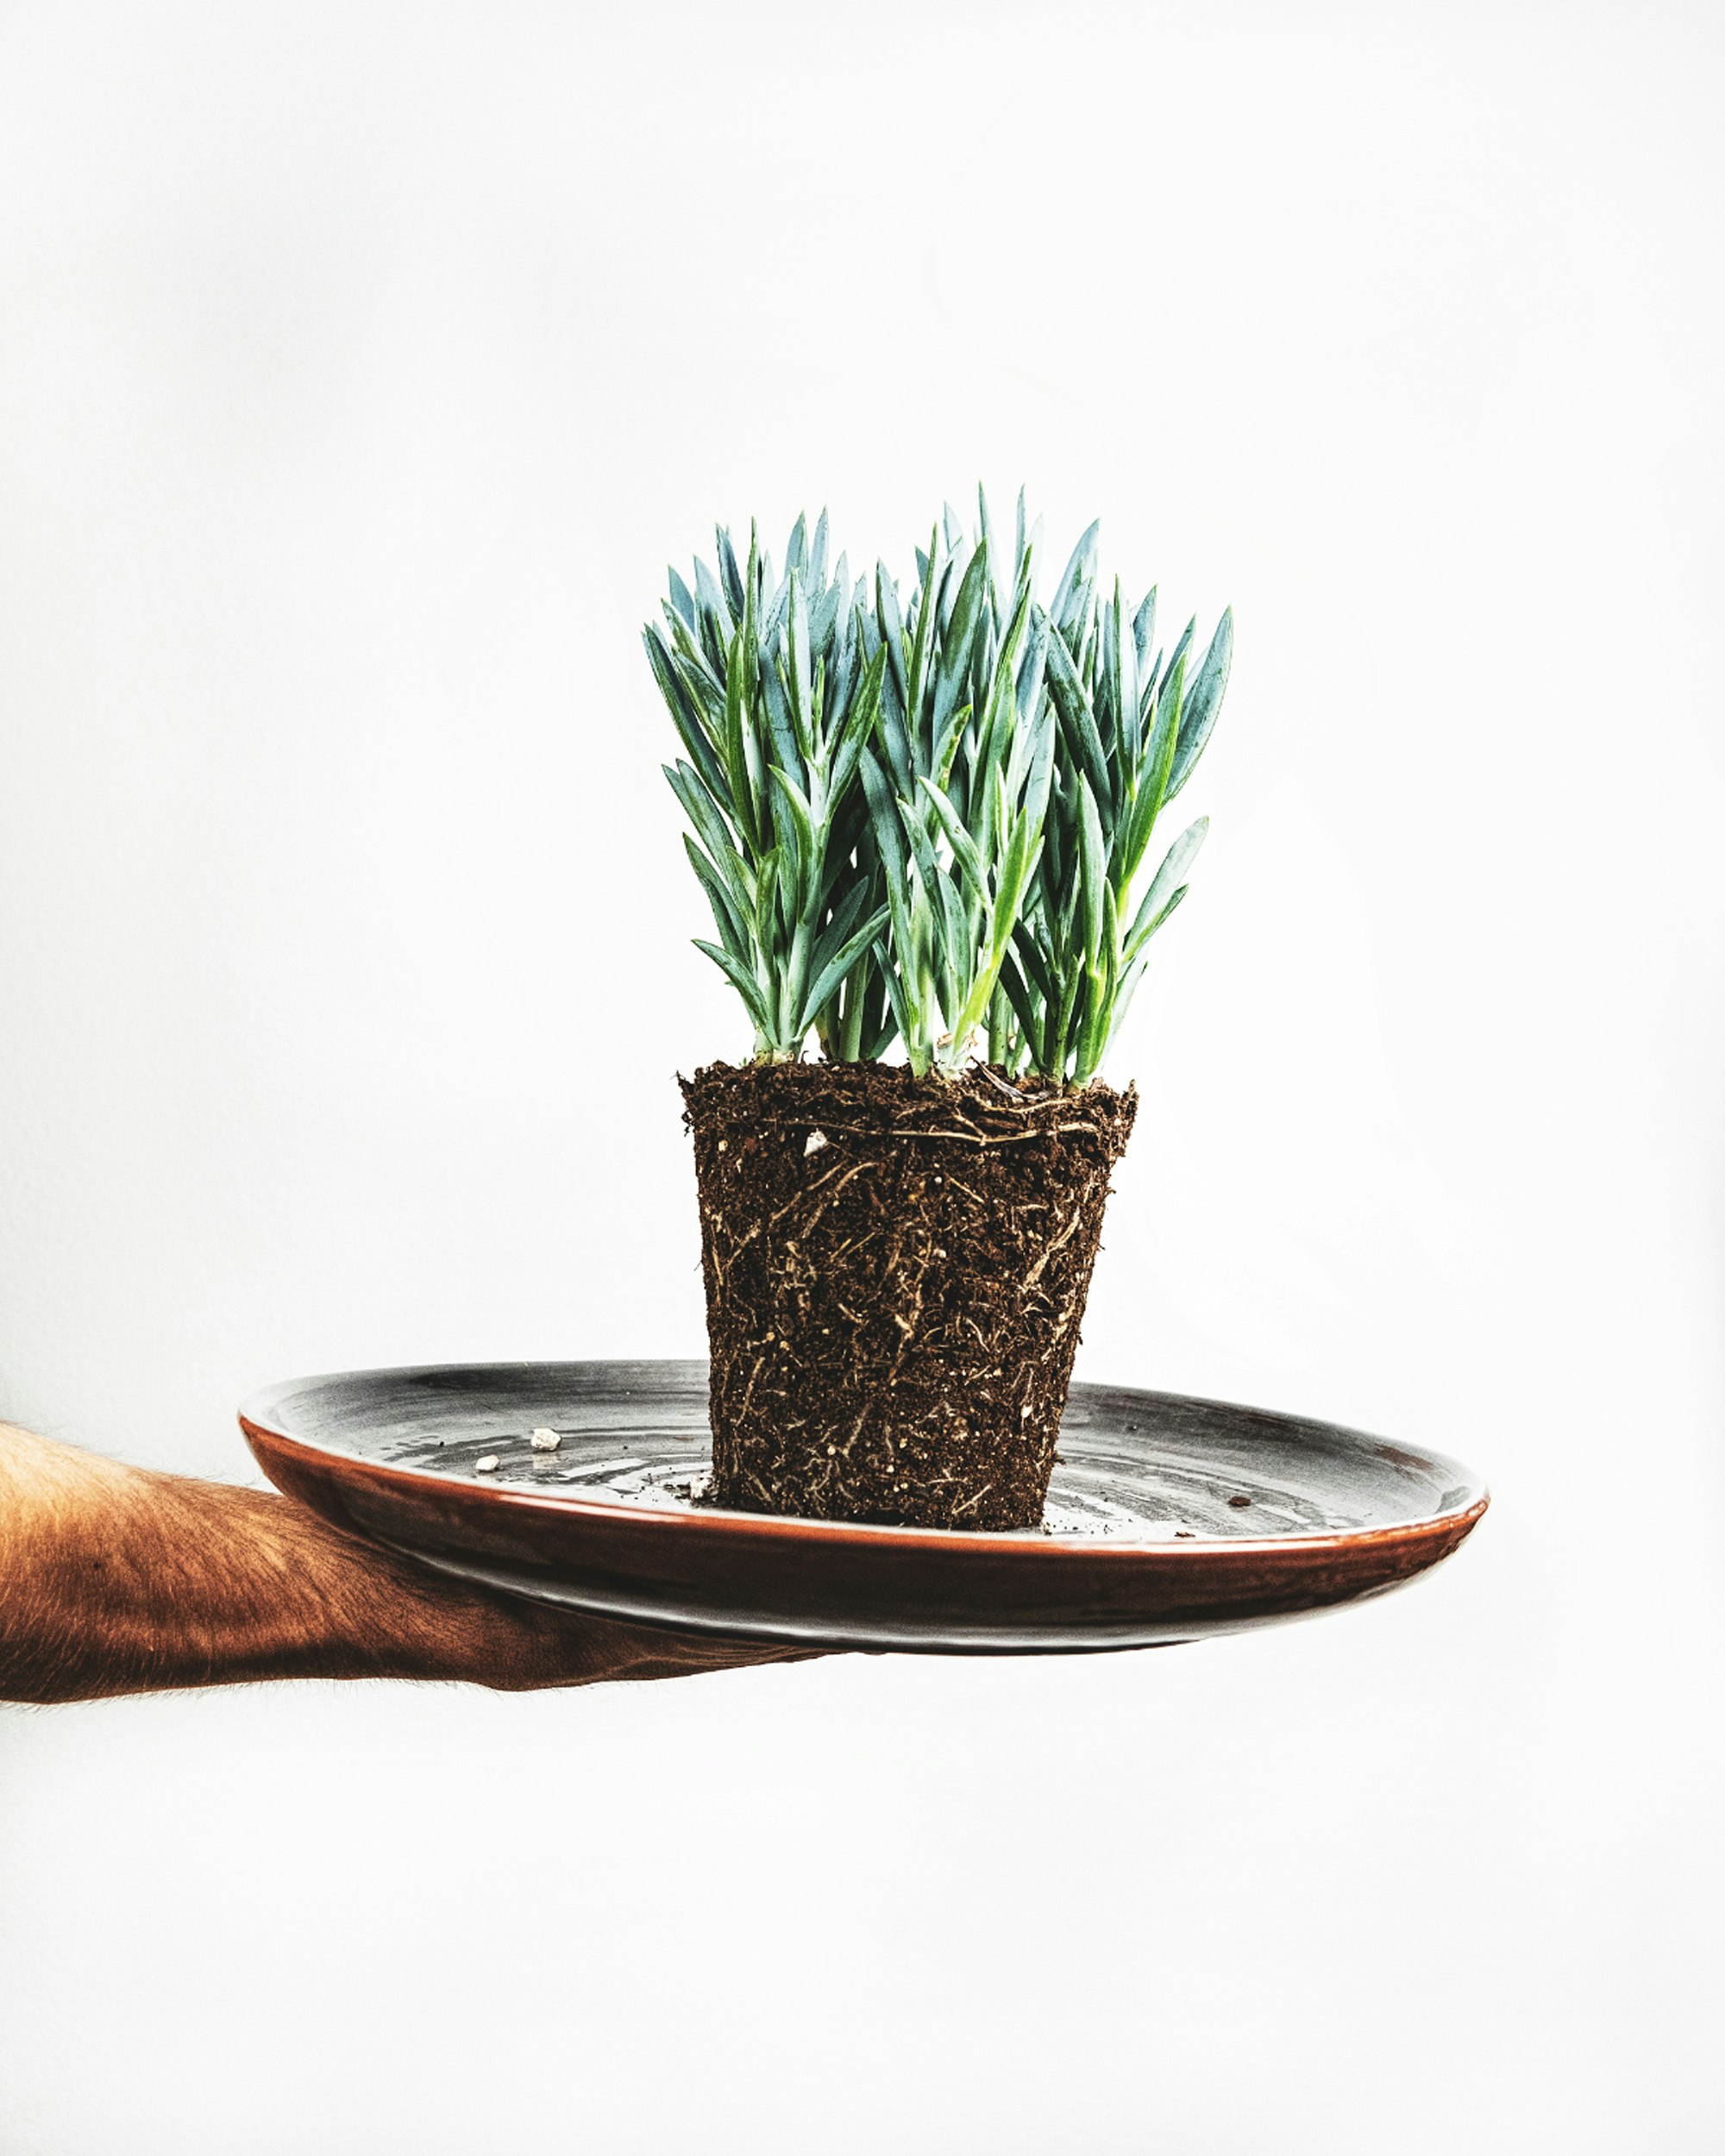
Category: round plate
[1168,1518]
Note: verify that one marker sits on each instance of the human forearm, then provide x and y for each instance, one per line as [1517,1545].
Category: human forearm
[113,1579]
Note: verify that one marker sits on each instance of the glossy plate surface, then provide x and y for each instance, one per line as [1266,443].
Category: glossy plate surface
[1168,1520]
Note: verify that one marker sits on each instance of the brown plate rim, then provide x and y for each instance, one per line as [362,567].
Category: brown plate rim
[713,1523]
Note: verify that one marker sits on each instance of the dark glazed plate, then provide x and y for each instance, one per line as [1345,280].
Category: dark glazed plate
[1169,1518]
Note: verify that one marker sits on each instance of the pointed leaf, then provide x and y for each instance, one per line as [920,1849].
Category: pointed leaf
[1092,869]
[964,846]
[997,567]
[1133,973]
[828,979]
[1203,701]
[730,575]
[733,934]
[1078,724]
[860,724]
[716,624]
[742,795]
[1124,658]
[1063,608]
[709,828]
[742,980]
[1180,648]
[1144,635]
[1175,863]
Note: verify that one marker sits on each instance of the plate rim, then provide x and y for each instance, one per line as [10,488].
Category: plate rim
[712,1522]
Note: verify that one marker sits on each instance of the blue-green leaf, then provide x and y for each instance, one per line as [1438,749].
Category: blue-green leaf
[730,576]
[1153,910]
[928,614]
[1076,718]
[685,716]
[860,723]
[1033,664]
[733,934]
[997,567]
[1132,973]
[1179,650]
[892,628]
[964,846]
[833,972]
[1134,834]
[780,731]
[1064,608]
[797,682]
[715,624]
[1203,700]
[1025,1007]
[742,980]
[1124,656]
[804,846]
[1092,869]
[709,827]
[1144,635]
[737,721]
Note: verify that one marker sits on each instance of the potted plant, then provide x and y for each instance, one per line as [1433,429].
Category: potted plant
[921,826]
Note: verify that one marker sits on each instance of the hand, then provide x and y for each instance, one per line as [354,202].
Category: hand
[522,1647]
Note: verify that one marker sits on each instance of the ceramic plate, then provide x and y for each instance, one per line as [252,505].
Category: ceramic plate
[1168,1520]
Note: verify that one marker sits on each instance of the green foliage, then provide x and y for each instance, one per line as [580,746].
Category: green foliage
[925,823]
[957,778]
[1132,727]
[774,697]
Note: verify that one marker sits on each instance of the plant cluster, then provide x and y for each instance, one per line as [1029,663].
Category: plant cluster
[924,822]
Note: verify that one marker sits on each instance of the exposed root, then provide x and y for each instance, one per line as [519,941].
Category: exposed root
[892,1337]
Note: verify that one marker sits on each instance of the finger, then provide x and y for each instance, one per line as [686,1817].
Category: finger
[683,1656]
[603,1651]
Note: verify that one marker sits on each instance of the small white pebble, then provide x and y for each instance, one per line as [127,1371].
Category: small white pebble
[725,1145]
[816,1140]
[486,1465]
[831,1451]
[940,1253]
[543,1440]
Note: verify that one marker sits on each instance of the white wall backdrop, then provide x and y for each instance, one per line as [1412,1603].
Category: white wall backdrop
[359,369]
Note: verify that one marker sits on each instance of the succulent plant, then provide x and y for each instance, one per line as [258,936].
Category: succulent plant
[1132,727]
[774,698]
[957,777]
[924,824]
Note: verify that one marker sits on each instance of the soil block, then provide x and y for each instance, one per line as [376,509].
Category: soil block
[896,1271]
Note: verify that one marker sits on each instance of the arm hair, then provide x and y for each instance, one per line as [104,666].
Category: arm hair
[116,1579]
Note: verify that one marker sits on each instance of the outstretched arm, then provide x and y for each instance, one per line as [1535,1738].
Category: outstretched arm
[113,1579]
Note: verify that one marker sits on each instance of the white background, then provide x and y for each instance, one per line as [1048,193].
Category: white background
[359,369]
